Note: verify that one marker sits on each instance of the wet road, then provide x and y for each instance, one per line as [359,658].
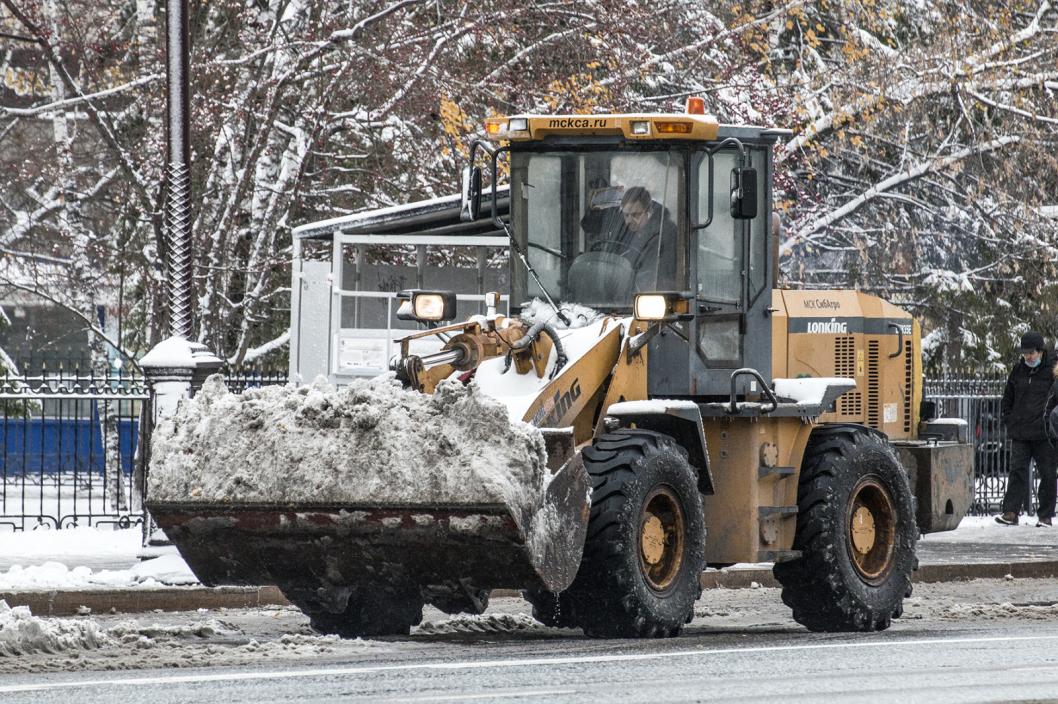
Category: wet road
[992,640]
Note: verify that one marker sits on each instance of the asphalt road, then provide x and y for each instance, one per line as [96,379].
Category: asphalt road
[991,640]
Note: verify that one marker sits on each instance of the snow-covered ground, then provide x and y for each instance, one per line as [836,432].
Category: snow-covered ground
[84,558]
[91,558]
[984,529]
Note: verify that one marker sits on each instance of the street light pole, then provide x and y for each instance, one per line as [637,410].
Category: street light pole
[176,366]
[178,168]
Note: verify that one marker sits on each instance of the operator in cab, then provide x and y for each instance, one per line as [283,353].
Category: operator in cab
[639,229]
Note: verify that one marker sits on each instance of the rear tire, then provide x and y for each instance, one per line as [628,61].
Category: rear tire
[856,532]
[369,611]
[645,548]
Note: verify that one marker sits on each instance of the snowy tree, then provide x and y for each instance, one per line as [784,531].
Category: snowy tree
[923,148]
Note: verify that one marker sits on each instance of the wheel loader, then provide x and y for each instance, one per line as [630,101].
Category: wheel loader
[693,415]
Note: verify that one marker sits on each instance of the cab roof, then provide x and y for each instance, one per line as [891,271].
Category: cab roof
[635,127]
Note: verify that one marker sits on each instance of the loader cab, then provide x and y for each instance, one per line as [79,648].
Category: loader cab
[602,214]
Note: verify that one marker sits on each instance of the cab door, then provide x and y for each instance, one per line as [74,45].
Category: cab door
[730,283]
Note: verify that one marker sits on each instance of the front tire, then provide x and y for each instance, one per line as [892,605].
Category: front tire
[856,532]
[552,610]
[645,549]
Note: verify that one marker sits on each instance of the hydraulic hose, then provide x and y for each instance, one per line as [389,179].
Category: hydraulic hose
[538,327]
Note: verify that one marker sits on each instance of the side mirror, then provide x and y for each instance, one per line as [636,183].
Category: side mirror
[471,190]
[743,193]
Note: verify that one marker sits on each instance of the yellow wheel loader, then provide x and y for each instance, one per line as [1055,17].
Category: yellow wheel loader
[685,414]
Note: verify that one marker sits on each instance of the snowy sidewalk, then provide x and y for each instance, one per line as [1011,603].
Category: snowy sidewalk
[979,539]
[84,558]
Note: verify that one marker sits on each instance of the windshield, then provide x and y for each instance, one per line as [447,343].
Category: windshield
[600,226]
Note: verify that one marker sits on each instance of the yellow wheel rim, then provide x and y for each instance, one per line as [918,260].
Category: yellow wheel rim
[661,538]
[871,521]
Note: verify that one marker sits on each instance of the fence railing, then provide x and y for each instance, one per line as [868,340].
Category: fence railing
[70,444]
[977,401]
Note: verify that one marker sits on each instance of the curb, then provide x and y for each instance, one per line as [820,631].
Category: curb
[70,603]
[746,578]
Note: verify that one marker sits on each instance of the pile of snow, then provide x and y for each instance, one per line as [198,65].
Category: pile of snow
[130,631]
[370,442]
[1041,612]
[155,573]
[299,645]
[484,623]
[22,633]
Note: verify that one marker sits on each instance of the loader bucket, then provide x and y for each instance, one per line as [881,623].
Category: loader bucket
[305,545]
[339,496]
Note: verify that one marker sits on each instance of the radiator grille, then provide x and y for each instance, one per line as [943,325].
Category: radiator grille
[874,396]
[909,385]
[851,403]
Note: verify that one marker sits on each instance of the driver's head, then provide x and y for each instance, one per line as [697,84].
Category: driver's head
[635,208]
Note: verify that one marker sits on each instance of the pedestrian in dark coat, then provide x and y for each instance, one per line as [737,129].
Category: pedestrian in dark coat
[1024,413]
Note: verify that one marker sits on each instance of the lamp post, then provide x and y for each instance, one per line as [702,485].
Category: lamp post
[176,366]
[178,168]
[177,361]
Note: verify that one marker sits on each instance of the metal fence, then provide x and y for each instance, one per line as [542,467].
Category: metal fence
[977,401]
[241,379]
[70,444]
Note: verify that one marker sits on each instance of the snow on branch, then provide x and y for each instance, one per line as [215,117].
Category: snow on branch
[879,189]
[58,105]
[356,30]
[256,353]
[549,40]
[1032,29]
[398,96]
[1010,108]
[681,52]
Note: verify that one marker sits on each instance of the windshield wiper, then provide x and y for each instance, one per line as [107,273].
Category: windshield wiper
[532,272]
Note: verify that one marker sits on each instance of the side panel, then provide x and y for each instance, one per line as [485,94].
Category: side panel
[310,314]
[860,337]
[941,476]
[755,466]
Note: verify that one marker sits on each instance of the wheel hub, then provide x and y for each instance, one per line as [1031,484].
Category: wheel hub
[661,538]
[653,540]
[871,521]
[863,530]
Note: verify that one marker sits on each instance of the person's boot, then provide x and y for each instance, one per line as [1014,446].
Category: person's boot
[1043,523]
[1008,519]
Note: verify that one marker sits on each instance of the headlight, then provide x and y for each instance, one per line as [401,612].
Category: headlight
[427,306]
[518,124]
[640,127]
[665,305]
[650,306]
